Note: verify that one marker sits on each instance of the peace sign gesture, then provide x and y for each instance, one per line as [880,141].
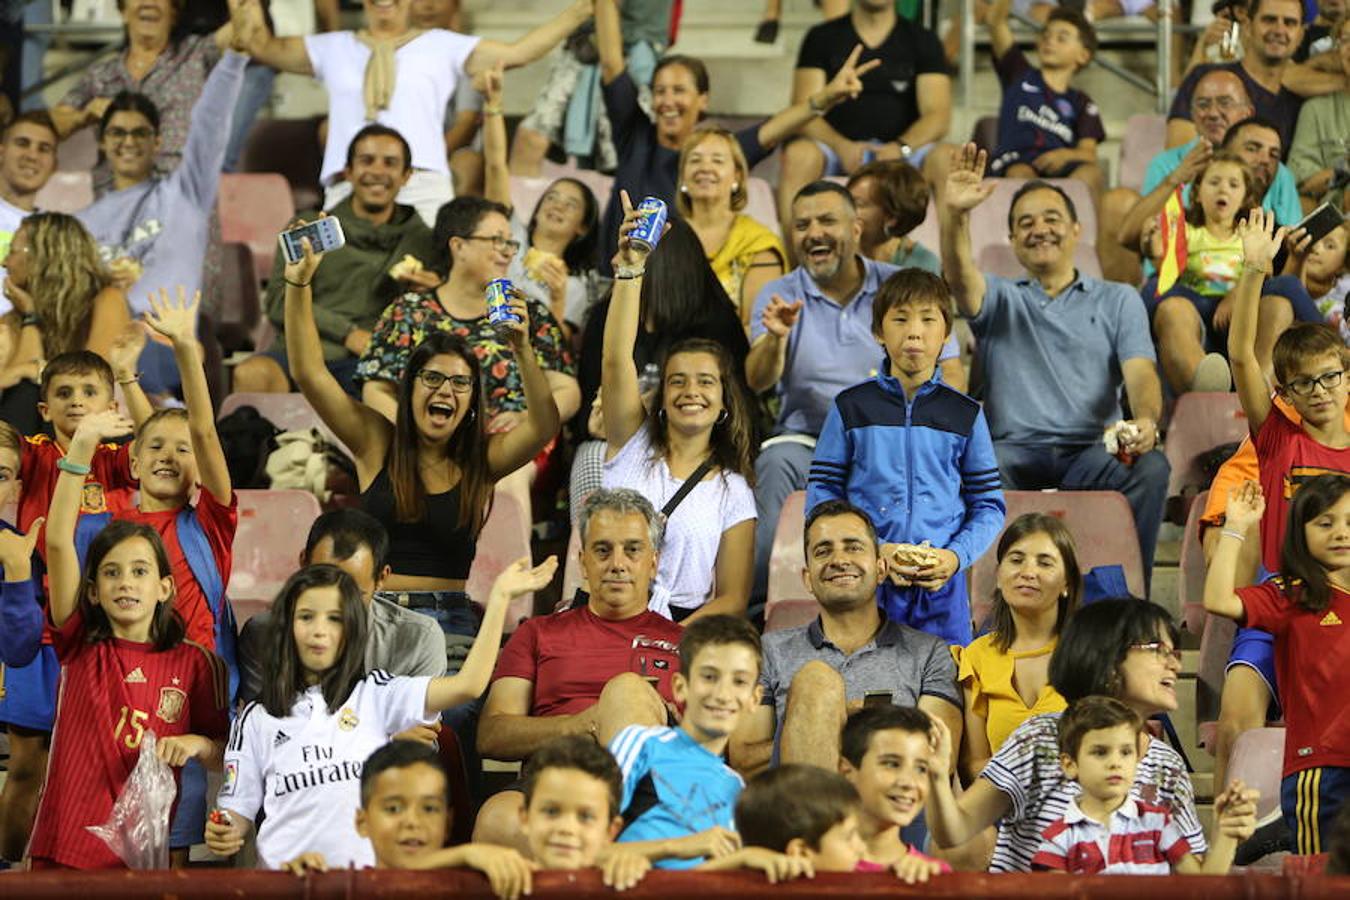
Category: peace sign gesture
[847,82]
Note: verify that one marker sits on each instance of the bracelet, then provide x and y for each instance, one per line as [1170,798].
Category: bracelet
[299,284]
[1232,534]
[1247,268]
[30,319]
[135,377]
[818,109]
[73,468]
[495,110]
[628,273]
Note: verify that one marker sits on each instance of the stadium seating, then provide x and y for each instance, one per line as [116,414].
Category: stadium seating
[789,603]
[526,191]
[462,806]
[1216,643]
[1191,584]
[1144,138]
[254,208]
[67,192]
[78,152]
[1102,526]
[291,148]
[1258,760]
[272,530]
[573,577]
[289,412]
[761,204]
[241,307]
[505,539]
[1200,422]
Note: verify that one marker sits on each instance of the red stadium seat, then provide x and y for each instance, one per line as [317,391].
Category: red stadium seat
[1200,422]
[67,192]
[1145,137]
[289,412]
[1258,760]
[789,603]
[1191,585]
[241,307]
[289,147]
[273,526]
[505,539]
[1103,531]
[462,807]
[254,209]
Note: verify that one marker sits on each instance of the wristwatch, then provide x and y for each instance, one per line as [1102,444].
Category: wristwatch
[905,150]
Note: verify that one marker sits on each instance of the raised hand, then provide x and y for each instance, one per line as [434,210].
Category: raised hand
[520,578]
[847,82]
[628,254]
[940,760]
[1246,506]
[966,187]
[16,550]
[19,298]
[176,320]
[1193,163]
[516,331]
[99,427]
[302,270]
[489,83]
[1261,240]
[125,353]
[779,316]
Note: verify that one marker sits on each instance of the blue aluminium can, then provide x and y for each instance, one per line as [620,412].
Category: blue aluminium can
[499,312]
[651,225]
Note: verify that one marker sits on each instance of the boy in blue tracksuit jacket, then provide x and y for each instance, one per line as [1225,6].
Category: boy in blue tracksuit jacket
[916,456]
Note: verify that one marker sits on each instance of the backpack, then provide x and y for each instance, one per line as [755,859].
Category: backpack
[197,551]
[247,439]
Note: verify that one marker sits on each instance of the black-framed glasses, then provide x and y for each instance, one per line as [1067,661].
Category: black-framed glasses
[140,133]
[1304,387]
[1164,652]
[432,381]
[510,245]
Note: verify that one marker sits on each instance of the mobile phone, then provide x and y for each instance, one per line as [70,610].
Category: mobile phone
[1321,222]
[877,698]
[324,234]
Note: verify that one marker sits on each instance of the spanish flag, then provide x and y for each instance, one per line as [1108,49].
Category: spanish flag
[1172,229]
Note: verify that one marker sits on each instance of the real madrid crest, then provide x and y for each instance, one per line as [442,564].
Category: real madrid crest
[171,704]
[347,719]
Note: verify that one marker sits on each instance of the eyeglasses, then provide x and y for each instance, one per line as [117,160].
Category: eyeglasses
[138,134]
[1206,103]
[1304,387]
[432,381]
[510,245]
[1164,652]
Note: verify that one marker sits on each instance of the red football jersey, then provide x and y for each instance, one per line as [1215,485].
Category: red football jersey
[220,523]
[112,692]
[108,488]
[1288,457]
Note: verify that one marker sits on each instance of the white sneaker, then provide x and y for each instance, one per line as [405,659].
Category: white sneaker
[1212,375]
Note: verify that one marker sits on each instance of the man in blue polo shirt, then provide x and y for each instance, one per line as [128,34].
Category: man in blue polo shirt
[1055,348]
[811,337]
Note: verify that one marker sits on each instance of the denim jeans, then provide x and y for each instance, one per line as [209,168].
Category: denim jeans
[253,96]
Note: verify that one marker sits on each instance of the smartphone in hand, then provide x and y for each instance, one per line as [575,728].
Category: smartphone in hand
[324,235]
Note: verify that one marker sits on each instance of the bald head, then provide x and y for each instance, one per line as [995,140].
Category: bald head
[1218,101]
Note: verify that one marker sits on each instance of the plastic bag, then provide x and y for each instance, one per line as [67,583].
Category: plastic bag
[137,829]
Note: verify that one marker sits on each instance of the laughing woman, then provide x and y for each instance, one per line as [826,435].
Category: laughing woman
[428,475]
[699,431]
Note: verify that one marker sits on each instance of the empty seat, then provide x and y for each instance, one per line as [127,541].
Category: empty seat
[1191,585]
[761,204]
[289,412]
[1102,526]
[273,526]
[789,603]
[1145,137]
[79,151]
[291,148]
[1200,423]
[254,209]
[241,307]
[67,192]
[1258,760]
[505,538]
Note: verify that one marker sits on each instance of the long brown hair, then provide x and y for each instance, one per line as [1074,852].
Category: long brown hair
[732,441]
[1002,626]
[65,274]
[468,443]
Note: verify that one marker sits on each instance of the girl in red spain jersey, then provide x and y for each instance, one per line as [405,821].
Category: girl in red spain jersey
[1306,608]
[125,667]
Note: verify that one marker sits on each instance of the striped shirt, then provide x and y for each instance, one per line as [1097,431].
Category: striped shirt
[1138,840]
[1027,770]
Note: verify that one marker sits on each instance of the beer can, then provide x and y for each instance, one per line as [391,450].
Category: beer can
[651,224]
[499,310]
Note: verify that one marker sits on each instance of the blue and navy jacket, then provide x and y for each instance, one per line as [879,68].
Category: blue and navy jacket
[924,470]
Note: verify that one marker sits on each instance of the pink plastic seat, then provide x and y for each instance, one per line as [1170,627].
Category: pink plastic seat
[289,412]
[1102,526]
[1258,760]
[1216,643]
[241,306]
[1191,586]
[67,192]
[79,151]
[1200,422]
[1145,137]
[505,538]
[789,603]
[290,148]
[254,208]
[273,526]
[761,204]
[573,577]
[526,190]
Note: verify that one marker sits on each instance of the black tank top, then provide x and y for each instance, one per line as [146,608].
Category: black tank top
[436,546]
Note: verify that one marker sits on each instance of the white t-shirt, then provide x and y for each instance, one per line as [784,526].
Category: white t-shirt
[428,68]
[305,769]
[10,217]
[694,532]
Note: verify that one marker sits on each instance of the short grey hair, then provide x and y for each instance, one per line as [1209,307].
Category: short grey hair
[621,501]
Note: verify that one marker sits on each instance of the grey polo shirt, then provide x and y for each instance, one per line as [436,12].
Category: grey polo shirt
[907,662]
[399,641]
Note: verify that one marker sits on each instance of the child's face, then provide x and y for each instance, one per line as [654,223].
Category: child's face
[913,335]
[71,397]
[407,816]
[9,476]
[720,691]
[318,630]
[841,848]
[128,587]
[1328,535]
[893,776]
[1326,259]
[1222,190]
[164,461]
[568,822]
[1318,404]
[1107,759]
[1061,47]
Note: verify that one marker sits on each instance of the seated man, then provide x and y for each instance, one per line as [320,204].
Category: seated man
[814,675]
[903,111]
[354,286]
[1056,348]
[590,670]
[400,641]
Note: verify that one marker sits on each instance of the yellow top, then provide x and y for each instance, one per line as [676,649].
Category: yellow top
[988,675]
[746,238]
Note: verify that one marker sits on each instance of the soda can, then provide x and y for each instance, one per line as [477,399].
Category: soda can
[499,311]
[651,224]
